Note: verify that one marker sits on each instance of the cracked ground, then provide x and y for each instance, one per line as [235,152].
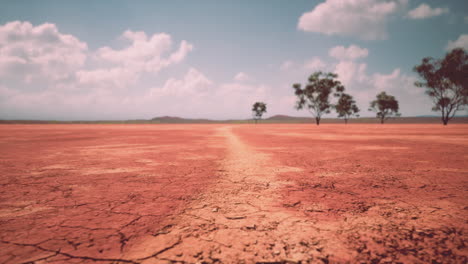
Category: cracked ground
[233,193]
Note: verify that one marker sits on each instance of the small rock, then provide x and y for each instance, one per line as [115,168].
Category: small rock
[276,252]
[235,217]
[312,209]
[251,226]
[214,210]
[292,204]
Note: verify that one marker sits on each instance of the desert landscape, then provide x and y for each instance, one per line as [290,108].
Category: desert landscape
[227,193]
[234,132]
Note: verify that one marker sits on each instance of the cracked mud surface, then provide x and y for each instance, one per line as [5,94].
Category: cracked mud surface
[233,193]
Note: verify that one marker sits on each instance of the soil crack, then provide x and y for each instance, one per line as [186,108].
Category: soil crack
[248,225]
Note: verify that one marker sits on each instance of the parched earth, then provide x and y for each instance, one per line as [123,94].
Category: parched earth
[233,193]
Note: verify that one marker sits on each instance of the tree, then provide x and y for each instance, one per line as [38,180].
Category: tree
[346,107]
[258,109]
[446,82]
[315,96]
[385,106]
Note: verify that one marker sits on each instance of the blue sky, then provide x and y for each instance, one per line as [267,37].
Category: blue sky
[213,59]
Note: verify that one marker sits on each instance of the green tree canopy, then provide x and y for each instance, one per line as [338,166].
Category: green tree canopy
[346,107]
[385,106]
[315,96]
[446,82]
[258,109]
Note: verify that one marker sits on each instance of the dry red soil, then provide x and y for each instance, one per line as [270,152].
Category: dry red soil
[233,193]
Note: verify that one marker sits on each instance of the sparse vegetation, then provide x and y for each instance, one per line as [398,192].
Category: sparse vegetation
[315,96]
[385,106]
[258,109]
[446,82]
[346,107]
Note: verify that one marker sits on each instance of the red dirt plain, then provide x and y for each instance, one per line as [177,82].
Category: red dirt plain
[233,193]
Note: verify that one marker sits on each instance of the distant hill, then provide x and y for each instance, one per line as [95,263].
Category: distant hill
[285,117]
[167,118]
[275,119]
[179,120]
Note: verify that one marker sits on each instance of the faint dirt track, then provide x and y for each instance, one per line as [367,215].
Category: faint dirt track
[233,193]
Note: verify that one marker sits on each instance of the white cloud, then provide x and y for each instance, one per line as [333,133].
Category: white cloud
[314,64]
[111,83]
[351,53]
[286,65]
[48,74]
[29,52]
[350,72]
[425,11]
[193,83]
[461,42]
[144,54]
[81,83]
[117,77]
[364,87]
[365,19]
[241,77]
[238,98]
[197,94]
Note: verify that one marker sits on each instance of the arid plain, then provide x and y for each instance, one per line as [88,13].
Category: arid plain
[282,193]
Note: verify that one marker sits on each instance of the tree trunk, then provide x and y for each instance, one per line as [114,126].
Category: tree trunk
[346,121]
[256,121]
[382,120]
[317,120]
[445,117]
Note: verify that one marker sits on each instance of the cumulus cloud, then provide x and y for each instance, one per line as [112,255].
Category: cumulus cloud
[461,42]
[144,54]
[30,52]
[314,64]
[232,97]
[81,84]
[117,77]
[72,82]
[351,53]
[425,11]
[364,87]
[193,83]
[286,65]
[241,77]
[195,93]
[350,72]
[365,19]
[48,74]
